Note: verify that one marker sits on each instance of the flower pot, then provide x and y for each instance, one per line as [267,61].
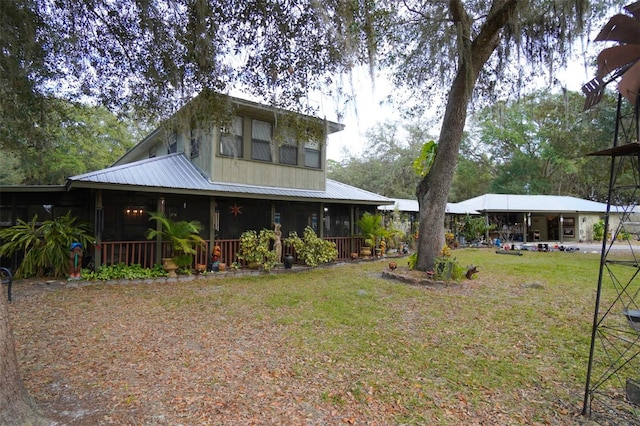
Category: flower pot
[222,266]
[365,251]
[253,265]
[170,266]
[288,261]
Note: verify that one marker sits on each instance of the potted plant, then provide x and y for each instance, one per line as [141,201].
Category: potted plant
[183,238]
[371,228]
[255,249]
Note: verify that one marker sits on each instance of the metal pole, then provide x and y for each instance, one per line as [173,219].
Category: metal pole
[596,313]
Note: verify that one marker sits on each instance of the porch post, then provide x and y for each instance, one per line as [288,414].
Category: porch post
[98,226]
[321,220]
[352,228]
[160,208]
[214,224]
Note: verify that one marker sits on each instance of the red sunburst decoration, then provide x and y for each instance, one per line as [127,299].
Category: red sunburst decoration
[236,210]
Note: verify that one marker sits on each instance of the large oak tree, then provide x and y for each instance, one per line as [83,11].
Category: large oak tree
[475,50]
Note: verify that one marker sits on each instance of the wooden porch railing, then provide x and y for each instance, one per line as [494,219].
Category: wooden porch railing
[143,252]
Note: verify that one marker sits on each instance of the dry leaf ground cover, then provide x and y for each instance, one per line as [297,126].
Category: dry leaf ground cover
[336,345]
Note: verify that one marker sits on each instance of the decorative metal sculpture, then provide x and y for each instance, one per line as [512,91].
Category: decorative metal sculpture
[614,354]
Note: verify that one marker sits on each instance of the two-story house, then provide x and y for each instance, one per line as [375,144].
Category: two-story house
[264,166]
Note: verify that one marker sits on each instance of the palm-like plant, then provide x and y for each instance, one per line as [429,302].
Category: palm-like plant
[371,227]
[44,246]
[182,236]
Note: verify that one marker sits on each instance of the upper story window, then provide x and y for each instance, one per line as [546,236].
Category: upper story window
[289,151]
[173,143]
[261,132]
[231,139]
[312,154]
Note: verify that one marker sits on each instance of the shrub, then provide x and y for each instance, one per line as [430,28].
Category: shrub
[256,247]
[45,246]
[598,230]
[311,249]
[448,269]
[122,271]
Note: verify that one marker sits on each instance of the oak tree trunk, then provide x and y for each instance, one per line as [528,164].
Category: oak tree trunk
[16,406]
[433,190]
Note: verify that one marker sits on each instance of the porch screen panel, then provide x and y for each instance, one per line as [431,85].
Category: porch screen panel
[231,139]
[261,140]
[337,220]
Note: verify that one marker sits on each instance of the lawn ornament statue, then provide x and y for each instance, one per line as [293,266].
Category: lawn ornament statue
[75,261]
[215,259]
[277,244]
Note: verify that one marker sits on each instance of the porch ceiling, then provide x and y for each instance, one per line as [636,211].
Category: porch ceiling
[174,173]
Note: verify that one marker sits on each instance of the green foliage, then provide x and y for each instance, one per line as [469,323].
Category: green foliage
[256,247]
[473,229]
[311,249]
[533,146]
[182,236]
[447,268]
[77,139]
[44,246]
[395,230]
[412,260]
[598,230]
[386,164]
[371,228]
[296,128]
[623,235]
[473,176]
[11,172]
[423,163]
[122,271]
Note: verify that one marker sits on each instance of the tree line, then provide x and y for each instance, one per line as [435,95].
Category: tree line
[534,145]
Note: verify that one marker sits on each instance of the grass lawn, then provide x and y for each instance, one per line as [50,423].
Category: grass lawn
[336,345]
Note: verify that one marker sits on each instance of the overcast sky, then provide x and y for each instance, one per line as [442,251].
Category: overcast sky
[370,111]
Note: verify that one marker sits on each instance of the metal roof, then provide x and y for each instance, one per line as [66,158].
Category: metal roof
[510,203]
[175,173]
[410,205]
[533,203]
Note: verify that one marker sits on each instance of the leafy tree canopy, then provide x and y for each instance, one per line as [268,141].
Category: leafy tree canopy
[76,139]
[539,145]
[386,164]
